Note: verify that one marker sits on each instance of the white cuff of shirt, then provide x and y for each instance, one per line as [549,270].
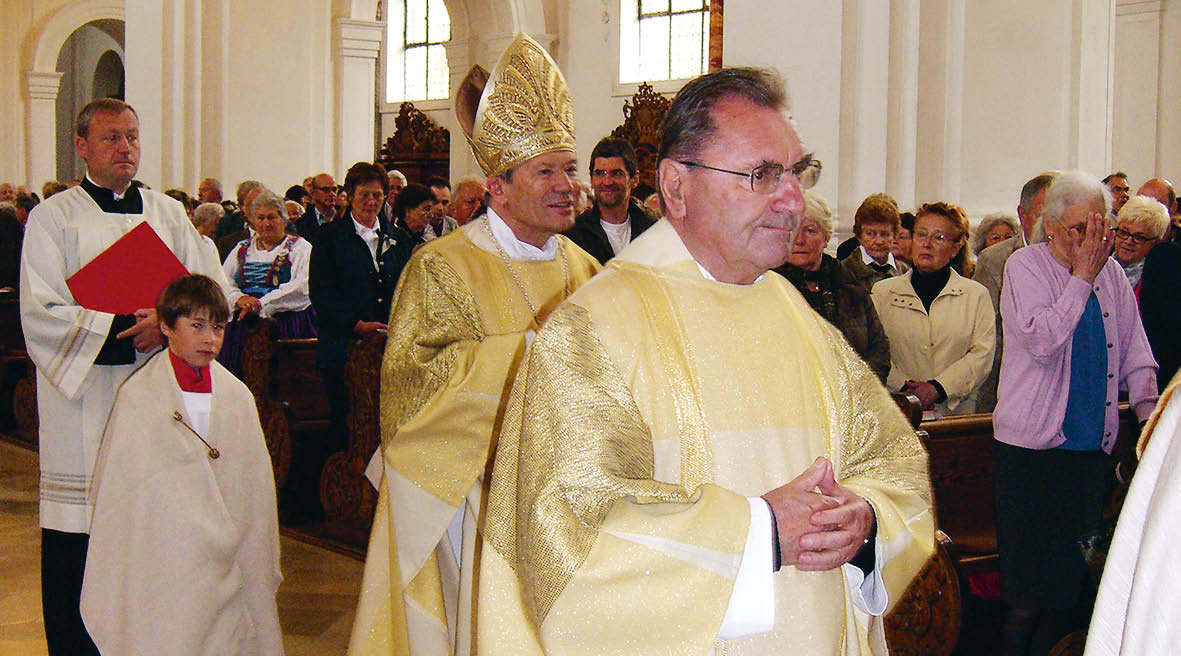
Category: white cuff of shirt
[868,592]
[752,603]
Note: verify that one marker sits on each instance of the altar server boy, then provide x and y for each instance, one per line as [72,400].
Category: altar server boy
[184,544]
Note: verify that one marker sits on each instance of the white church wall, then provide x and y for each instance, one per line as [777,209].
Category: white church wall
[1015,115]
[1137,58]
[280,93]
[1168,144]
[802,40]
[988,93]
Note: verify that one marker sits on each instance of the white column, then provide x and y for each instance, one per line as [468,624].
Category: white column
[41,126]
[902,115]
[355,47]
[953,118]
[1136,91]
[865,76]
[1091,103]
[145,83]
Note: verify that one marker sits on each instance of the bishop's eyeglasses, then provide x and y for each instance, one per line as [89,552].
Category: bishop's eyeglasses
[765,178]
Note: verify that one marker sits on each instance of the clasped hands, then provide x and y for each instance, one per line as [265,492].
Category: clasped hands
[821,524]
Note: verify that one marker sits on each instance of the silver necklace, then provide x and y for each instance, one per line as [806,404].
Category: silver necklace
[508,263]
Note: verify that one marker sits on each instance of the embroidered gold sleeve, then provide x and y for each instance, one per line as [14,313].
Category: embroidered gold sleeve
[574,453]
[432,318]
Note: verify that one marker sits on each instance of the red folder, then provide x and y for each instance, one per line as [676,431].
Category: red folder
[129,275]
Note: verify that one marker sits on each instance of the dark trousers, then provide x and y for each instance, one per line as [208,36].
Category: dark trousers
[63,561]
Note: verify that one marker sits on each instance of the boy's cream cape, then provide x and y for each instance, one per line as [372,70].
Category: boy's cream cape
[184,549]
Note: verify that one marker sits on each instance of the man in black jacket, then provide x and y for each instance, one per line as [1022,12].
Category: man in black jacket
[616,218]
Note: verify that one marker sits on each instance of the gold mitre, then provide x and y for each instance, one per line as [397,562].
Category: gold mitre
[520,111]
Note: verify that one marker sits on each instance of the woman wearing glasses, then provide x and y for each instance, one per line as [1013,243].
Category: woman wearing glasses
[1072,339]
[940,324]
[1139,226]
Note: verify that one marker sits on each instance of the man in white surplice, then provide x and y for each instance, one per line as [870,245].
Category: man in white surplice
[83,355]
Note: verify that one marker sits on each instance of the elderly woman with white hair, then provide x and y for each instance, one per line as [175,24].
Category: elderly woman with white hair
[993,229]
[831,290]
[205,220]
[269,272]
[1072,339]
[1140,225]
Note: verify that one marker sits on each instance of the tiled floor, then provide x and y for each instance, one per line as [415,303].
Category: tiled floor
[316,600]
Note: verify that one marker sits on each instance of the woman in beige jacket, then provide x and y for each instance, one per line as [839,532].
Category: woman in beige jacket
[941,325]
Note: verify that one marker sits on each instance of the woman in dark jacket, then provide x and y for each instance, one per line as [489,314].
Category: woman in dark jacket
[831,290]
[355,264]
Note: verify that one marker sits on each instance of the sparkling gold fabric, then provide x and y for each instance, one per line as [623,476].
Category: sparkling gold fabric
[457,333]
[614,528]
[524,110]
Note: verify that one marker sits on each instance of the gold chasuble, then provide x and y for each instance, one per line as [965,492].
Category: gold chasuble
[457,335]
[650,406]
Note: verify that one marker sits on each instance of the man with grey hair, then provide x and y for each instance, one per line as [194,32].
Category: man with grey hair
[990,267]
[209,191]
[82,354]
[674,476]
[7,192]
[236,221]
[397,184]
[469,198]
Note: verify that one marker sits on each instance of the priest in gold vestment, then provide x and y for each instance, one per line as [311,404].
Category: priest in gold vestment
[464,310]
[691,460]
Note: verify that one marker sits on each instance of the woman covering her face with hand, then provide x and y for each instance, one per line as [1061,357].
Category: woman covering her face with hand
[1072,339]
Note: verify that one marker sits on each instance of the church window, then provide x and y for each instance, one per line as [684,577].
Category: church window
[663,39]
[416,62]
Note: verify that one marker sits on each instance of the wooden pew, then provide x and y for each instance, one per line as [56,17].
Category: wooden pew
[18,377]
[288,392]
[961,452]
[348,499]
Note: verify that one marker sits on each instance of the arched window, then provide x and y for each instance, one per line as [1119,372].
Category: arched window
[416,62]
[662,39]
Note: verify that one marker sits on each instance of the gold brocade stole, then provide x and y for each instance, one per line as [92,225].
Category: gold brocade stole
[668,329]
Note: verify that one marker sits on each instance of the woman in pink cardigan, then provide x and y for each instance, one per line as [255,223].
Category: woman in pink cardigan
[1072,339]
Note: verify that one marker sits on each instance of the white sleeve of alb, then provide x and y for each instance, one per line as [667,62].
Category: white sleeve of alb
[752,603]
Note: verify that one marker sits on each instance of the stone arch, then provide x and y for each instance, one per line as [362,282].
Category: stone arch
[59,25]
[42,81]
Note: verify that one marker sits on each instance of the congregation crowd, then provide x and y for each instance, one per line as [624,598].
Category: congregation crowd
[1047,319]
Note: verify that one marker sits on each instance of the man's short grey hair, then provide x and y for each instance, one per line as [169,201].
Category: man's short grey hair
[395,173]
[1033,187]
[1145,211]
[112,105]
[817,209]
[689,124]
[245,187]
[469,180]
[216,183]
[1070,189]
[208,213]
[989,222]
[268,198]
